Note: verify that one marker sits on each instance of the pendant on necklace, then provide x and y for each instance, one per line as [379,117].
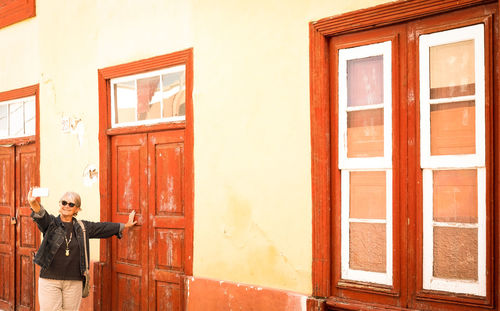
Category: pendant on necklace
[67,252]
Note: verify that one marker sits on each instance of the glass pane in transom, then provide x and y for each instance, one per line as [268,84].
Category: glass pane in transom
[452,71]
[148,98]
[125,101]
[29,117]
[16,120]
[4,120]
[453,128]
[174,93]
[455,196]
[365,81]
[367,195]
[365,133]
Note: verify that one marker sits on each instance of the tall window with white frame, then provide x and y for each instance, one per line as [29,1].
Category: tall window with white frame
[17,117]
[452,131]
[365,161]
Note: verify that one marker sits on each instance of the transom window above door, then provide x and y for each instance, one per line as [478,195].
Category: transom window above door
[17,117]
[149,98]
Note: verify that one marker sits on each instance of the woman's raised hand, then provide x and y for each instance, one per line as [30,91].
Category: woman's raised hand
[35,206]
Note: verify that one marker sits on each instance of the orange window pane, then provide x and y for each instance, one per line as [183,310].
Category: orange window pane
[365,81]
[452,69]
[453,128]
[455,253]
[367,247]
[365,133]
[455,196]
[367,195]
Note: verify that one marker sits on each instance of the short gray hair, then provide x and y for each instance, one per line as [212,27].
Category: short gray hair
[74,196]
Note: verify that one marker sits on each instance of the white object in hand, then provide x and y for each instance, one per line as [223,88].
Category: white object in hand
[40,192]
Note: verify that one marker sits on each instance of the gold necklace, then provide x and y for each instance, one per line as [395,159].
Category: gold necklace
[67,242]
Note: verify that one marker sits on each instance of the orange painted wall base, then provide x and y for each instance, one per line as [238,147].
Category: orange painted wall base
[207,294]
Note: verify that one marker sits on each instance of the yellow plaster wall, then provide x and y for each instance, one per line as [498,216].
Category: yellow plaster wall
[252,140]
[251,116]
[19,61]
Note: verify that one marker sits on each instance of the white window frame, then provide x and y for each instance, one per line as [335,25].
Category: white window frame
[360,275]
[451,285]
[384,163]
[431,163]
[365,51]
[476,33]
[136,77]
[23,101]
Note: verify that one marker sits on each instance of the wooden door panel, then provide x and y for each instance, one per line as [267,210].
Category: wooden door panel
[169,248]
[168,296]
[131,285]
[26,231]
[25,282]
[168,166]
[167,230]
[7,229]
[129,192]
[169,222]
[5,288]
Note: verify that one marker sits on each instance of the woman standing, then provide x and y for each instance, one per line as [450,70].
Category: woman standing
[61,255]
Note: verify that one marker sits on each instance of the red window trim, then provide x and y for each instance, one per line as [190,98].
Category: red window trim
[15,11]
[101,270]
[321,122]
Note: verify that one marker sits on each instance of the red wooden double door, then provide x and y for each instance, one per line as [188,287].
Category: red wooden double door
[149,262]
[19,236]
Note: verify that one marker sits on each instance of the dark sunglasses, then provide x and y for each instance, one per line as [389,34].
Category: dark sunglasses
[64,203]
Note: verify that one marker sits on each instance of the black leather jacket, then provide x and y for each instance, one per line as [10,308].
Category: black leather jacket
[53,236]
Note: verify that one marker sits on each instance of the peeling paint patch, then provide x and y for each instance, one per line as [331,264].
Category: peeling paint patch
[73,125]
[303,303]
[90,175]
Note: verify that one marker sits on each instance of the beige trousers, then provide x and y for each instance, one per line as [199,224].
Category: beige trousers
[56,295]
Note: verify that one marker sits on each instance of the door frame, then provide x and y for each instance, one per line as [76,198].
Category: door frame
[32,90]
[102,269]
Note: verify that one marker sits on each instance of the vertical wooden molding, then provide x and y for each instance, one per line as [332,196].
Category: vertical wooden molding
[496,171]
[320,161]
[189,163]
